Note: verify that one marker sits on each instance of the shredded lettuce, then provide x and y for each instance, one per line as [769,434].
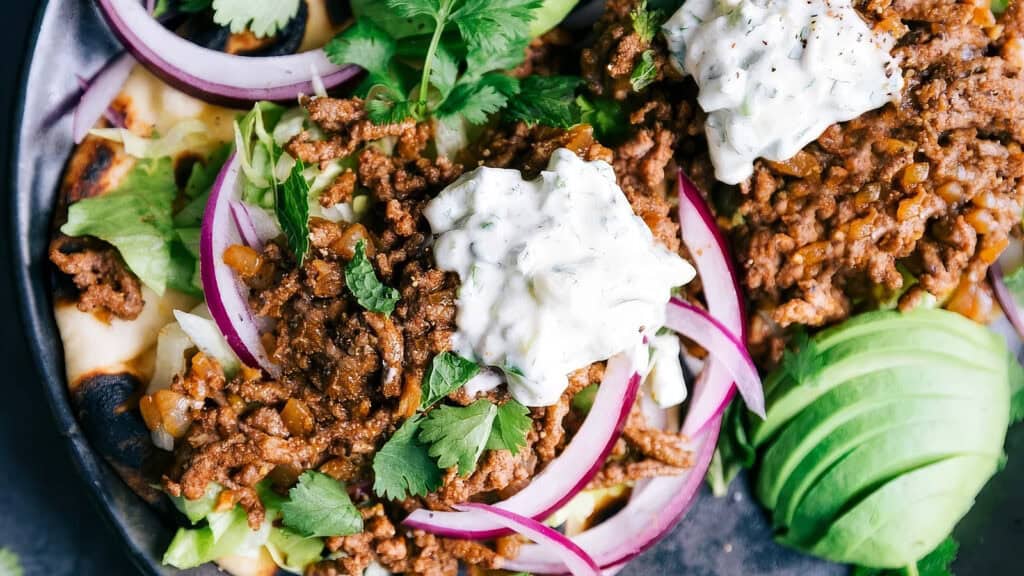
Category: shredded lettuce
[184,136]
[197,510]
[203,331]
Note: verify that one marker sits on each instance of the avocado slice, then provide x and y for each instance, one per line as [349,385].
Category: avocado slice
[883,321]
[887,419]
[854,359]
[847,401]
[907,517]
[881,459]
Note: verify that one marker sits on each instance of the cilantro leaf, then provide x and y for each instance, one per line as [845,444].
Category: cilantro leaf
[511,425]
[136,218]
[364,44]
[447,373]
[474,102]
[414,8]
[490,26]
[396,25]
[363,283]
[445,71]
[261,17]
[385,103]
[606,116]
[10,565]
[802,361]
[319,506]
[645,73]
[547,100]
[402,467]
[458,435]
[293,211]
[646,21]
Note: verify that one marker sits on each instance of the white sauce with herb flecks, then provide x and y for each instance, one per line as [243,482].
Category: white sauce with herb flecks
[557,272]
[774,74]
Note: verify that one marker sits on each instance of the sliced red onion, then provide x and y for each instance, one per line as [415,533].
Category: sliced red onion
[1006,300]
[699,326]
[255,226]
[563,477]
[724,298]
[97,94]
[215,76]
[226,296]
[555,544]
[639,525]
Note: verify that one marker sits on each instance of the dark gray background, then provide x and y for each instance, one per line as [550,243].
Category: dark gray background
[49,520]
[46,514]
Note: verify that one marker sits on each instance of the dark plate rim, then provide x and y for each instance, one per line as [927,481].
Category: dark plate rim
[35,311]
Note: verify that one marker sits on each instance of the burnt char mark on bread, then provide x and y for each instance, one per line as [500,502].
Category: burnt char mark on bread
[105,407]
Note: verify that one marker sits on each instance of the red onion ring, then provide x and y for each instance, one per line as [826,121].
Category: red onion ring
[563,477]
[97,94]
[638,526]
[554,543]
[226,296]
[216,76]
[699,326]
[255,226]
[710,254]
[1006,300]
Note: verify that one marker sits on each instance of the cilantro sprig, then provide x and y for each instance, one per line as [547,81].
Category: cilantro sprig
[447,373]
[319,506]
[458,435]
[454,70]
[402,467]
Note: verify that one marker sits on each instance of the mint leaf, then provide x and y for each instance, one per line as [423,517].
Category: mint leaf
[261,17]
[319,506]
[402,467]
[364,44]
[547,100]
[457,436]
[511,425]
[447,373]
[293,211]
[363,283]
[645,73]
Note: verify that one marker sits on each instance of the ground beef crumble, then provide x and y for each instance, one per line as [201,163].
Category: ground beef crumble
[104,283]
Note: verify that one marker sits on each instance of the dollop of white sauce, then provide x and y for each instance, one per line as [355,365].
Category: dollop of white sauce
[557,272]
[774,74]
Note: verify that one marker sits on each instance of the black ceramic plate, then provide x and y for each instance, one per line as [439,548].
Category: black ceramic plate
[724,537]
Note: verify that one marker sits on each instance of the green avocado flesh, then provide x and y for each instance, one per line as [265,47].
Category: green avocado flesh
[880,435]
[550,14]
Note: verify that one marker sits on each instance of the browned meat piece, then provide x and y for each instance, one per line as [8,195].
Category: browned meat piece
[104,282]
[616,473]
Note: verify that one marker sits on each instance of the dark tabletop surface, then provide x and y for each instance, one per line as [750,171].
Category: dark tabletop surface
[46,515]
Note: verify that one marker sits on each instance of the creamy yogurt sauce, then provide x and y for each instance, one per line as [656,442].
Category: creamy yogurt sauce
[557,272]
[774,74]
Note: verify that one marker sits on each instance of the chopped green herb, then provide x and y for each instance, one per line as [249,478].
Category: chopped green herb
[10,565]
[646,21]
[645,73]
[606,116]
[447,373]
[261,17]
[511,425]
[363,283]
[802,361]
[319,506]
[403,467]
[458,435]
[293,211]
[547,100]
[364,44]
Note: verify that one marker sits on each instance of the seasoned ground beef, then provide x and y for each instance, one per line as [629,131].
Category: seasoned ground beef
[103,280]
[928,188]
